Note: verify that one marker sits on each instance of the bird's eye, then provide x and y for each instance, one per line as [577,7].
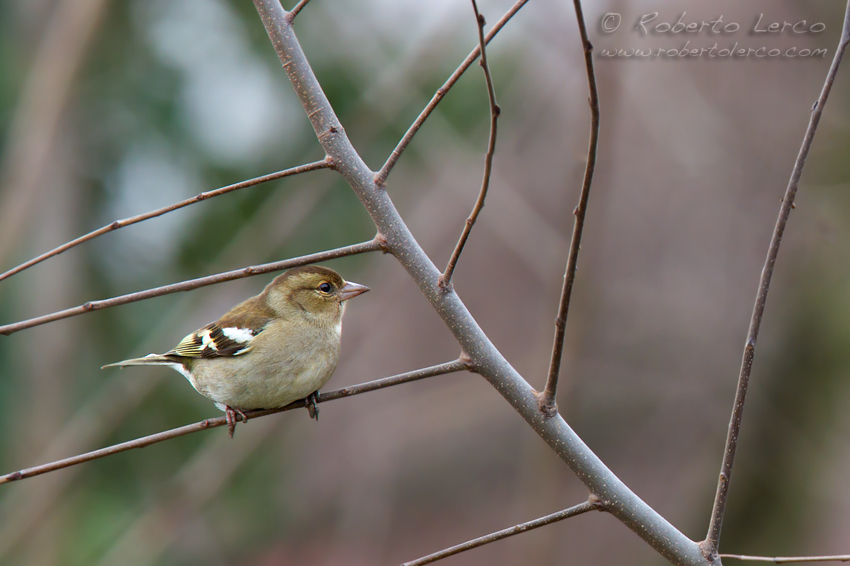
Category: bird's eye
[325,287]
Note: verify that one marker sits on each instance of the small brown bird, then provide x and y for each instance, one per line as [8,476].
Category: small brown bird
[273,349]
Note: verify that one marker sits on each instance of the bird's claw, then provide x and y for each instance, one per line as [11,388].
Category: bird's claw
[312,405]
[232,416]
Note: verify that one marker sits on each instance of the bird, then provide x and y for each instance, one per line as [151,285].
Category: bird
[277,347]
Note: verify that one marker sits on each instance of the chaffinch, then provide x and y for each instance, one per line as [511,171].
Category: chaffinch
[270,350]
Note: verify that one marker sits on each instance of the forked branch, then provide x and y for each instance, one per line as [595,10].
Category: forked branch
[484,357]
[712,541]
[446,277]
[381,176]
[298,7]
[548,404]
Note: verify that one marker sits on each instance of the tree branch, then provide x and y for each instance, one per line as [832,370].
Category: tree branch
[787,559]
[381,176]
[484,357]
[548,403]
[712,541]
[446,278]
[448,367]
[372,245]
[298,7]
[324,164]
[505,533]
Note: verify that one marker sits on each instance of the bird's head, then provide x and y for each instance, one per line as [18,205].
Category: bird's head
[312,289]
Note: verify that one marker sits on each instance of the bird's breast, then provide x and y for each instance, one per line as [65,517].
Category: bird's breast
[283,366]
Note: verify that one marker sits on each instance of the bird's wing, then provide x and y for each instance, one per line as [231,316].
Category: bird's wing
[229,336]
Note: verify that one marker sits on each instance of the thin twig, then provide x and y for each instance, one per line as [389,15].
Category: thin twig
[294,11]
[786,559]
[381,176]
[710,545]
[372,245]
[446,277]
[505,533]
[440,369]
[548,402]
[160,211]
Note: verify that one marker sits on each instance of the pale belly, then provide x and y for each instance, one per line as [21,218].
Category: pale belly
[268,377]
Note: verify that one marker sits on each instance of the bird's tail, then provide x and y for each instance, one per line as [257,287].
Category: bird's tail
[149,360]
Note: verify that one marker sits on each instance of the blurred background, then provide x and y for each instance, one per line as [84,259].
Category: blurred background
[111,109]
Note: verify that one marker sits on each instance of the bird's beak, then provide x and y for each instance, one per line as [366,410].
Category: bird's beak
[351,290]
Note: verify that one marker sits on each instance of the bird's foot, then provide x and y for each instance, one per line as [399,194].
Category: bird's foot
[232,416]
[312,405]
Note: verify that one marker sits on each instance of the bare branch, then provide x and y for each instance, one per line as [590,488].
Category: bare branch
[448,367]
[548,403]
[711,543]
[160,211]
[787,559]
[485,358]
[372,245]
[294,11]
[381,176]
[505,533]
[446,277]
